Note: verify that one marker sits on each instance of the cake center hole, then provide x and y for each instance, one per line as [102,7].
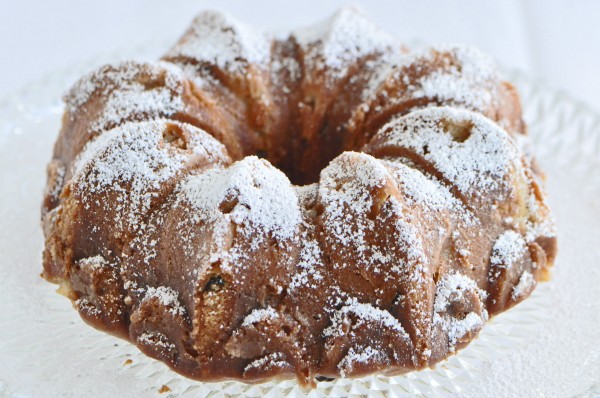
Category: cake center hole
[303,163]
[302,159]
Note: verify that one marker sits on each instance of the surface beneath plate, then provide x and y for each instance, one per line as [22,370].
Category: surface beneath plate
[545,346]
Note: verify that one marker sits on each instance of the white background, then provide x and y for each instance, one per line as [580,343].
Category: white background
[554,41]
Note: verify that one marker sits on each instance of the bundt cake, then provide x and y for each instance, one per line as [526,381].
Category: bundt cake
[329,204]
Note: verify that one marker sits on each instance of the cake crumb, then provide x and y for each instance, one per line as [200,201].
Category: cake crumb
[164,389]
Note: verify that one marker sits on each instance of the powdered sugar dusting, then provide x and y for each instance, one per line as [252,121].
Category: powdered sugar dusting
[526,282]
[380,69]
[121,104]
[544,227]
[167,297]
[469,77]
[452,288]
[220,39]
[84,304]
[261,196]
[342,39]
[132,162]
[355,174]
[291,66]
[451,284]
[126,160]
[271,361]
[346,191]
[480,162]
[346,365]
[309,265]
[259,315]
[94,262]
[423,190]
[363,313]
[349,185]
[508,249]
[156,340]
[125,93]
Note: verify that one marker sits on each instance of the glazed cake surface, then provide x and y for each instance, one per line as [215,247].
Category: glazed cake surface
[326,205]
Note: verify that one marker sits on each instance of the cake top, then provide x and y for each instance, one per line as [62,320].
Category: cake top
[133,162]
[465,147]
[262,197]
[338,41]
[468,76]
[127,89]
[220,39]
[508,249]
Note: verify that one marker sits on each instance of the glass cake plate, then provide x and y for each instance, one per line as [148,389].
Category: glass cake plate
[546,346]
